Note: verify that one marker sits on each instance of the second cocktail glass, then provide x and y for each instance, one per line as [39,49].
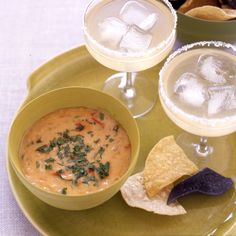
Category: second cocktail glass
[130,36]
[197,90]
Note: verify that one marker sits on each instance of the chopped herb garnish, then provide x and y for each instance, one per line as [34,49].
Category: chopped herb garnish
[98,122]
[67,150]
[77,148]
[78,151]
[60,141]
[65,134]
[101,151]
[50,159]
[73,151]
[91,166]
[101,116]
[80,159]
[87,149]
[39,140]
[90,133]
[80,155]
[53,143]
[91,178]
[77,138]
[37,164]
[48,166]
[111,140]
[103,170]
[97,141]
[79,127]
[44,149]
[60,155]
[61,164]
[82,172]
[78,171]
[63,191]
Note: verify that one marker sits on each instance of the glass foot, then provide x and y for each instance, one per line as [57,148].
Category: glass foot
[215,153]
[138,93]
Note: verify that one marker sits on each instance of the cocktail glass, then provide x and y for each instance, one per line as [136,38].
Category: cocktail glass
[197,89]
[130,36]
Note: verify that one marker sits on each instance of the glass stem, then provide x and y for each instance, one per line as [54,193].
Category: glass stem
[129,90]
[203,149]
[128,83]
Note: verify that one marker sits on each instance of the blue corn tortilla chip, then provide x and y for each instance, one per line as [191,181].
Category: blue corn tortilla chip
[205,181]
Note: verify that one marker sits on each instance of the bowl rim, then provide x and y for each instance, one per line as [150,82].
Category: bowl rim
[199,20]
[25,106]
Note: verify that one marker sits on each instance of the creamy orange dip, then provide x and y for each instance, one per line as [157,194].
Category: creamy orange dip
[75,151]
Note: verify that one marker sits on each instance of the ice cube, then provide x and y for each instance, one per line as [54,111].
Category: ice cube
[221,98]
[111,31]
[149,22]
[135,40]
[232,103]
[215,69]
[190,90]
[134,13]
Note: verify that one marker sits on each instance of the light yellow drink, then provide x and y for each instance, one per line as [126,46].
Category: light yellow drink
[198,91]
[129,36]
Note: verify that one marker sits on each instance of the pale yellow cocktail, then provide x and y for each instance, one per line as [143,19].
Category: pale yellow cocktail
[197,90]
[130,36]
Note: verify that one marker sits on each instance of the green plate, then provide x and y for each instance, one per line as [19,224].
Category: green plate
[205,215]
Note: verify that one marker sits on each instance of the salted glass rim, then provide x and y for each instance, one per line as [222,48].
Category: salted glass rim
[168,102]
[164,44]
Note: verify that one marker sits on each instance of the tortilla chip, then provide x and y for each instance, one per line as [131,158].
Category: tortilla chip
[134,194]
[212,13]
[190,4]
[165,164]
[206,181]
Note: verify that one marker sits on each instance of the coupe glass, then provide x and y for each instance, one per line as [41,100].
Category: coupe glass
[116,52]
[203,100]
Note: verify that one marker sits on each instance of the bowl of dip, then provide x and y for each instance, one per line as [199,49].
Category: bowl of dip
[73,147]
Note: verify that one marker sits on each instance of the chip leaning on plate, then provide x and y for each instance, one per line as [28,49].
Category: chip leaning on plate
[165,164]
[134,193]
[150,189]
